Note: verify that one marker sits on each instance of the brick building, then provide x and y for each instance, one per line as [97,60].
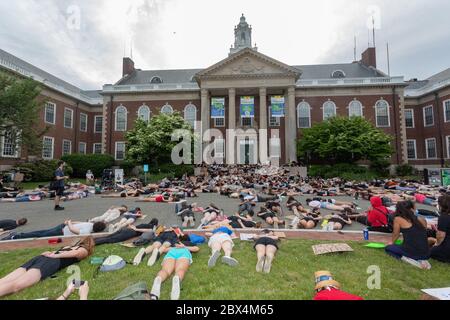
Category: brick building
[415,113]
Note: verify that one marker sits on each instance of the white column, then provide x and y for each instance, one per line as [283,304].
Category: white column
[231,108]
[290,127]
[230,136]
[263,134]
[206,115]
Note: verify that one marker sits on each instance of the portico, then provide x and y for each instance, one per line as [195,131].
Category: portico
[251,75]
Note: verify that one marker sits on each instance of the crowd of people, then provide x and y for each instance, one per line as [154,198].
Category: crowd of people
[393,210]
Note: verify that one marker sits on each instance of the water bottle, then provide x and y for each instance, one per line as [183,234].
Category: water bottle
[325,225]
[331,226]
[366,234]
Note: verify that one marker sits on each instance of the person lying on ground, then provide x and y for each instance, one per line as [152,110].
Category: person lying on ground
[176,261]
[220,239]
[339,220]
[169,237]
[187,214]
[68,228]
[269,217]
[266,246]
[211,213]
[307,221]
[111,214]
[159,198]
[129,233]
[324,204]
[129,218]
[75,195]
[83,292]
[415,248]
[420,198]
[45,266]
[296,207]
[441,250]
[8,225]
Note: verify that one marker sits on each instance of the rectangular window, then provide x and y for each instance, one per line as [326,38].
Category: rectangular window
[50,113]
[447,110]
[68,118]
[382,115]
[412,151]
[246,121]
[428,116]
[67,147]
[48,148]
[9,145]
[219,122]
[98,126]
[82,148]
[97,149]
[120,151]
[431,150]
[274,121]
[409,118]
[83,122]
[448,146]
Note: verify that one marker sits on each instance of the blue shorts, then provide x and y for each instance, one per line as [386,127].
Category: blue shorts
[324,205]
[179,253]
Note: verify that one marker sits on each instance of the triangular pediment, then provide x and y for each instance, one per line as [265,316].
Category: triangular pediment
[248,62]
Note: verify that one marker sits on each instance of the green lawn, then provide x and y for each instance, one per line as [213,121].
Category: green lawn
[292,276]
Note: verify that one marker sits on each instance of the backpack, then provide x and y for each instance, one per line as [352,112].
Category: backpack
[112,263]
[138,291]
[196,239]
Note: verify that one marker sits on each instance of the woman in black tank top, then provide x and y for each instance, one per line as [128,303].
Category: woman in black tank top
[44,266]
[415,241]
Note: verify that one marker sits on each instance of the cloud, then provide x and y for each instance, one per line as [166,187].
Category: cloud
[168,34]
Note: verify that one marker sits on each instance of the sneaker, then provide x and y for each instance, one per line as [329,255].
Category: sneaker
[230,261]
[58,208]
[425,264]
[138,259]
[267,265]
[176,288]
[153,258]
[275,225]
[260,265]
[412,262]
[295,222]
[156,289]
[192,222]
[9,237]
[213,259]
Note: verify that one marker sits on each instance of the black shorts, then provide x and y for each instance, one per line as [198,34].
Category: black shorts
[170,237]
[59,191]
[48,266]
[267,215]
[265,241]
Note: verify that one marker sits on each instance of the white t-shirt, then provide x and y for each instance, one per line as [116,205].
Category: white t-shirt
[315,204]
[85,228]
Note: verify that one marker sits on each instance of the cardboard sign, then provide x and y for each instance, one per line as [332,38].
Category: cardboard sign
[331,248]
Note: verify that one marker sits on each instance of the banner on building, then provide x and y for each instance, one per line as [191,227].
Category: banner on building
[248,107]
[277,106]
[217,108]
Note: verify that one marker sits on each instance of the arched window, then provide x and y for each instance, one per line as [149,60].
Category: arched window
[329,110]
[156,80]
[167,109]
[304,115]
[144,113]
[190,114]
[338,74]
[121,118]
[355,109]
[382,114]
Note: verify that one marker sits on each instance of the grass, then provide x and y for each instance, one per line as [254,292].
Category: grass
[292,276]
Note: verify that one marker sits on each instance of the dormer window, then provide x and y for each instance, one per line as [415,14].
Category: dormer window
[338,74]
[156,80]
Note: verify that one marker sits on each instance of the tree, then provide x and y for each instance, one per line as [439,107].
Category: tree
[19,108]
[344,140]
[152,142]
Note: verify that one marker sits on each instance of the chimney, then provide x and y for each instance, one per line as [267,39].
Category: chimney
[369,57]
[128,67]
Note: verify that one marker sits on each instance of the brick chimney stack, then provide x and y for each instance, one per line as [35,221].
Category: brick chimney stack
[128,67]
[369,57]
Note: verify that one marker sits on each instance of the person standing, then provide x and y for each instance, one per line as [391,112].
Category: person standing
[59,184]
[90,179]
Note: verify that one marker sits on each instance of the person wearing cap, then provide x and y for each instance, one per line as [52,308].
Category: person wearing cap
[329,289]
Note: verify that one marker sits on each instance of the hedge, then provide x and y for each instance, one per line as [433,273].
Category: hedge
[42,170]
[344,170]
[81,163]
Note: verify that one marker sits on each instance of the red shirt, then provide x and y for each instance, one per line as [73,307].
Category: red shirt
[336,295]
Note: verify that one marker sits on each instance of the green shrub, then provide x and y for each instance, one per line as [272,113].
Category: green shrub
[42,170]
[405,170]
[81,163]
[381,167]
[172,170]
[343,170]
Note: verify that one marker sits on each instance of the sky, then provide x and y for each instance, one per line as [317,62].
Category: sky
[84,41]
